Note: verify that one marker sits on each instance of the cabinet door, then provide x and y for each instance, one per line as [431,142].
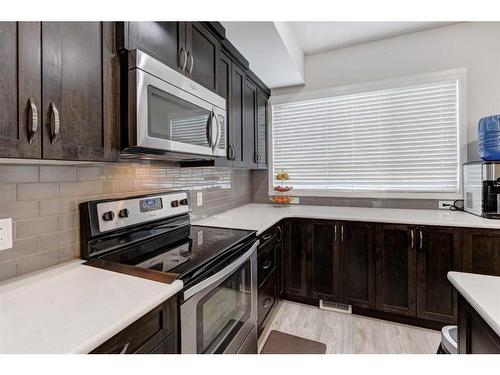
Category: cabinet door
[165,41]
[325,261]
[237,84]
[203,55]
[281,240]
[396,269]
[20,90]
[261,129]
[297,263]
[481,251]
[225,66]
[78,106]
[438,252]
[249,123]
[357,250]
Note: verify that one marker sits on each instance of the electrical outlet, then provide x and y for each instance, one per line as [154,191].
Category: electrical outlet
[445,205]
[199,199]
[295,200]
[5,234]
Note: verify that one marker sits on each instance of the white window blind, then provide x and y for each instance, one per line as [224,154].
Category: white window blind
[402,139]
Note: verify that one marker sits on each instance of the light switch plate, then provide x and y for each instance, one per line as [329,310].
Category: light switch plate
[5,234]
[199,199]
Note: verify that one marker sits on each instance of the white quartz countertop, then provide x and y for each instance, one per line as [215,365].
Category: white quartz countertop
[483,294]
[259,217]
[73,308]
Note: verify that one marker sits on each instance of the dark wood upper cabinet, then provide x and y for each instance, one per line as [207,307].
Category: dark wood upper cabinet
[261,129]
[249,123]
[326,261]
[236,120]
[203,54]
[165,41]
[20,90]
[438,252]
[396,265]
[481,251]
[78,104]
[357,251]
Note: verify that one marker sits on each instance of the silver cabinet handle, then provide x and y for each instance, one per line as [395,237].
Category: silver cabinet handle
[267,303]
[234,152]
[191,63]
[266,265]
[266,237]
[54,122]
[257,157]
[183,59]
[125,348]
[421,240]
[335,233]
[342,233]
[412,235]
[32,119]
[280,233]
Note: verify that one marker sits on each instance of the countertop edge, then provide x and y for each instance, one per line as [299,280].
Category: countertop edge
[492,322]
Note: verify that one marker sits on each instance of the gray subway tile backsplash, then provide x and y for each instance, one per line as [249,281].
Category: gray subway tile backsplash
[43,202]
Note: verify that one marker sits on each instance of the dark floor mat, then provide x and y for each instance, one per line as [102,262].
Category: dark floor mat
[283,343]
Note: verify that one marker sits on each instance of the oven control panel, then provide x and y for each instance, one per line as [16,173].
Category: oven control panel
[121,213]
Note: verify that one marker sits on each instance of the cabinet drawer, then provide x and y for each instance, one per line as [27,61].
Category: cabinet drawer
[267,299]
[145,334]
[167,346]
[266,262]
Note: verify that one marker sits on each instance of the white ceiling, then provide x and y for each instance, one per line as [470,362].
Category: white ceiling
[316,37]
[276,50]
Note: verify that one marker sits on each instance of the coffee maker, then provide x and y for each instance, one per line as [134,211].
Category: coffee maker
[481,186]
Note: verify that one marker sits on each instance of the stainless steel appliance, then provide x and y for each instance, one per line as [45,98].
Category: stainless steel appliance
[218,305]
[170,115]
[481,186]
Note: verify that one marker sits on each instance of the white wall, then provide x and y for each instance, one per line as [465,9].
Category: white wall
[474,45]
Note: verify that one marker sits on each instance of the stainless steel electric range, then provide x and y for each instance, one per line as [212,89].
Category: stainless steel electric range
[151,236]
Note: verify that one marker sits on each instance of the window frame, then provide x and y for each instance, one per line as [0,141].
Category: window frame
[459,74]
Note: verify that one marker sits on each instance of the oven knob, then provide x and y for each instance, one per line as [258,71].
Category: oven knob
[184,202]
[123,213]
[108,216]
[175,203]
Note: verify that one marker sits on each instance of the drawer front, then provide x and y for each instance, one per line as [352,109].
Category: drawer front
[145,334]
[167,346]
[266,262]
[267,299]
[268,236]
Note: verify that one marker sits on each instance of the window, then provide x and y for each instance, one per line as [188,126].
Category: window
[398,138]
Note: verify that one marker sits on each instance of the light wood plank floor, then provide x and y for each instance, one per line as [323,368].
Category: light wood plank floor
[351,334]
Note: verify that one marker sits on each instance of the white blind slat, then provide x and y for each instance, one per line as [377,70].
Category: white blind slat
[402,139]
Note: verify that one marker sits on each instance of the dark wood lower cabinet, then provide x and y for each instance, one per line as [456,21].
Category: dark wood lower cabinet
[396,265]
[481,251]
[297,260]
[438,252]
[357,244]
[475,336]
[154,333]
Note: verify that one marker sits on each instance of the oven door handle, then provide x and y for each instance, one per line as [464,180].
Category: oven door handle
[222,274]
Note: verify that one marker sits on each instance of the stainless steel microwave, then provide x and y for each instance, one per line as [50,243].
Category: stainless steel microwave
[169,115]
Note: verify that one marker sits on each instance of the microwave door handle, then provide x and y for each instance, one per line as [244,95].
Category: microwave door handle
[208,130]
[215,141]
[222,274]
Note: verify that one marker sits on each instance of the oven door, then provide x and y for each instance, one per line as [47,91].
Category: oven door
[170,119]
[220,313]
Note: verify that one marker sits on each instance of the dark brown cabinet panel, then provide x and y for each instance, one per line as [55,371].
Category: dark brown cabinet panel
[325,261]
[147,334]
[203,53]
[266,300]
[438,252]
[475,336]
[78,104]
[297,259]
[20,90]
[237,92]
[481,251]
[396,265]
[261,129]
[165,41]
[249,124]
[357,251]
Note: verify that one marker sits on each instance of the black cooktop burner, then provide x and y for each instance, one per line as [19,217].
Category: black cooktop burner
[194,246]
